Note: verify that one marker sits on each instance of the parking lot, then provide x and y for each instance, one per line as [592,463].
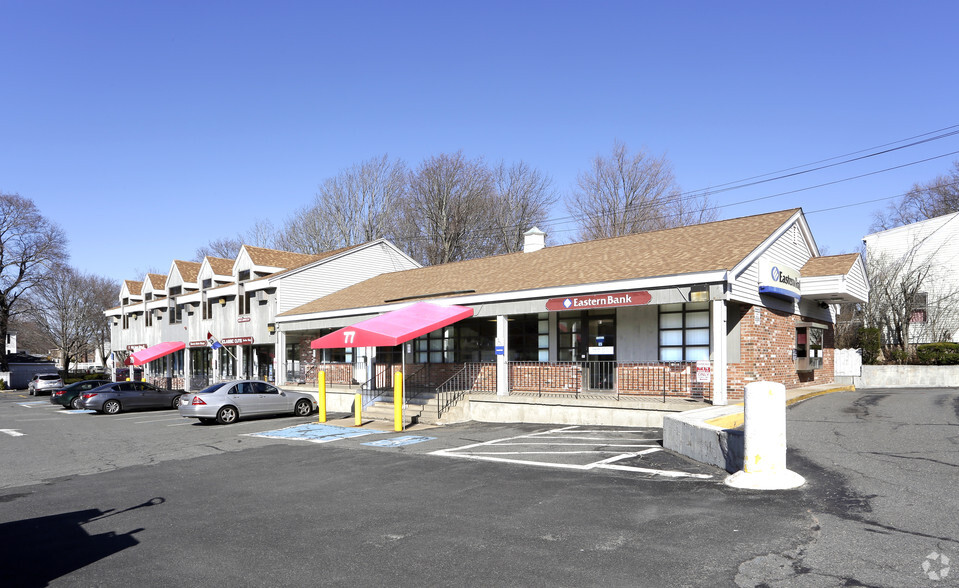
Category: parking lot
[56,442]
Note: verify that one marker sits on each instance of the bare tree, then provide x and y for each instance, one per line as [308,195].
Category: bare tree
[924,201]
[523,198]
[356,206]
[226,247]
[261,234]
[30,245]
[447,210]
[909,299]
[632,193]
[69,310]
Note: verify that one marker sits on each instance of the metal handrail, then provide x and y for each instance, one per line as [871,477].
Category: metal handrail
[463,382]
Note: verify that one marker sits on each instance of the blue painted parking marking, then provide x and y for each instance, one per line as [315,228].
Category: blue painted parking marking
[34,403]
[398,441]
[314,433]
[78,411]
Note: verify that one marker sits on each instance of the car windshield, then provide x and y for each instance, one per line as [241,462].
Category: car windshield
[212,388]
[50,377]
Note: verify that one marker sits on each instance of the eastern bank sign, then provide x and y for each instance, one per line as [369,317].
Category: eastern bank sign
[779,280]
[636,298]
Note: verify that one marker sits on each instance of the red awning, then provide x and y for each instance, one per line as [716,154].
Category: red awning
[394,328]
[157,351]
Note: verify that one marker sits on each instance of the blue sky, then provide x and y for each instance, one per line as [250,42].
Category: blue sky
[146,129]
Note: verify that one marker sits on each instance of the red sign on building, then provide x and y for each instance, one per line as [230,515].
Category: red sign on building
[636,298]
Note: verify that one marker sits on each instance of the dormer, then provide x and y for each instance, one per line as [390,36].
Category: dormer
[215,271]
[253,263]
[183,277]
[154,286]
[131,292]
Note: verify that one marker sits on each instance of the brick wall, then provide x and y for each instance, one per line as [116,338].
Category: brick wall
[766,352]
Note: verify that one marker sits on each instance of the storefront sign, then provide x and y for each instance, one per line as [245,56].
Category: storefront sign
[243,319]
[779,280]
[602,350]
[636,298]
[704,371]
[195,344]
[136,347]
[237,341]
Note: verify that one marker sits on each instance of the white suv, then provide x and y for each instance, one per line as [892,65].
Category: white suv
[44,383]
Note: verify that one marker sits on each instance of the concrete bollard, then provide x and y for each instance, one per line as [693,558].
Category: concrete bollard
[764,436]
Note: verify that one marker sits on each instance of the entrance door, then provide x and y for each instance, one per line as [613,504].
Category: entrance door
[600,369]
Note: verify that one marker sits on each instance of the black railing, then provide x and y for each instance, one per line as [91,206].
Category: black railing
[474,377]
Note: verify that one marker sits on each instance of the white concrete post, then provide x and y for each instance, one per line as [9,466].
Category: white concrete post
[502,365]
[764,456]
[719,352]
[279,353]
[187,369]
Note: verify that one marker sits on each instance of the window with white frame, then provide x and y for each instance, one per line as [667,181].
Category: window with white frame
[684,331]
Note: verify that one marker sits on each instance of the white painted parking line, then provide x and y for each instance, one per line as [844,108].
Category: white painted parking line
[556,443]
[13,432]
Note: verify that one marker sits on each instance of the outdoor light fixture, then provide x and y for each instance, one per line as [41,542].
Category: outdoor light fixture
[222,301]
[699,293]
[271,327]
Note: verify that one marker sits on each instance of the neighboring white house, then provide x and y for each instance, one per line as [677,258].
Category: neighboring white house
[11,342]
[920,260]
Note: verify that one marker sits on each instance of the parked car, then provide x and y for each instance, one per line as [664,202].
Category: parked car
[117,396]
[44,383]
[69,397]
[228,401]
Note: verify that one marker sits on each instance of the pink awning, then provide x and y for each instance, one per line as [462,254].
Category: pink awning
[155,352]
[395,327]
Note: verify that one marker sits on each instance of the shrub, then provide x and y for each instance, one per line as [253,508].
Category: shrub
[3,384]
[871,341]
[938,353]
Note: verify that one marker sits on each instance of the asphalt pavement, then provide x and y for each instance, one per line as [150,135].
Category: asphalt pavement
[151,499]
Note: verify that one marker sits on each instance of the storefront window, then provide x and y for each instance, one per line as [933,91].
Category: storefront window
[529,337]
[467,341]
[684,331]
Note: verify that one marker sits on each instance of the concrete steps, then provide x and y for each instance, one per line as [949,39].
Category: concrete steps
[419,409]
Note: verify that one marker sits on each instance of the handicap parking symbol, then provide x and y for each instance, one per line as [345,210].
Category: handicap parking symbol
[399,441]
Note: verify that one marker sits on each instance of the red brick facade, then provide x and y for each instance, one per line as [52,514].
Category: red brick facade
[766,352]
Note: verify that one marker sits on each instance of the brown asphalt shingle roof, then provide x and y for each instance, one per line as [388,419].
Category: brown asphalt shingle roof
[276,258]
[221,266]
[829,265]
[134,287]
[189,270]
[719,245]
[157,280]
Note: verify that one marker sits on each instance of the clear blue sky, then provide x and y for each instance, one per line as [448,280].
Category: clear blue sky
[148,128]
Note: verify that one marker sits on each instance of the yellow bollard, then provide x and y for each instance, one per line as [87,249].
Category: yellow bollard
[358,410]
[398,401]
[321,400]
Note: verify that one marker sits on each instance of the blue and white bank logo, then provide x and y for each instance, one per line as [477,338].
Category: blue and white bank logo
[567,303]
[775,274]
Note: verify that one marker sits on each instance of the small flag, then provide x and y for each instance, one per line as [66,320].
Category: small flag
[212,341]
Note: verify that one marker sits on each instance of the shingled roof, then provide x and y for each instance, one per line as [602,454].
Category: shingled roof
[712,246]
[189,270]
[829,265]
[220,265]
[134,287]
[276,258]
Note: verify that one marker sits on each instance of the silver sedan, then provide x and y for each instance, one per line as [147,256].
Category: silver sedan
[226,402]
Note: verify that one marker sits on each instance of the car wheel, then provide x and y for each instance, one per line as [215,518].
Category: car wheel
[226,415]
[75,403]
[111,407]
[32,392]
[176,402]
[302,408]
